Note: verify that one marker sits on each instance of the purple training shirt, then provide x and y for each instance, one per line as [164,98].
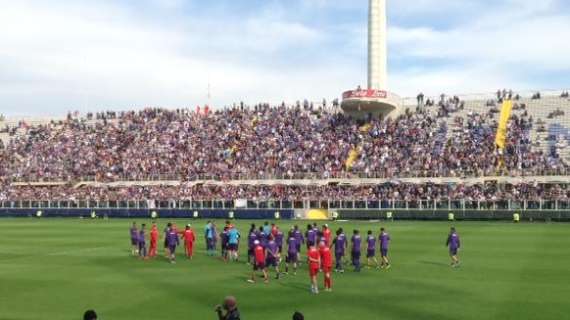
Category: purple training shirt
[453,241]
[272,249]
[356,243]
[384,240]
[340,243]
[299,237]
[371,243]
[172,238]
[251,238]
[292,245]
[279,238]
[134,233]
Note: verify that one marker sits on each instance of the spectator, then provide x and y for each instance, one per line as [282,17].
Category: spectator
[230,307]
[420,99]
[90,315]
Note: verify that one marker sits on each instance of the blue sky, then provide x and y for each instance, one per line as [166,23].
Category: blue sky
[63,55]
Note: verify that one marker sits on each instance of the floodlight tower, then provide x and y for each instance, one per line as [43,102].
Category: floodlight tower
[377,52]
[375,99]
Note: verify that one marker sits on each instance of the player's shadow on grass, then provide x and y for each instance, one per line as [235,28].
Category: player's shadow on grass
[292,284]
[296,286]
[283,281]
[434,263]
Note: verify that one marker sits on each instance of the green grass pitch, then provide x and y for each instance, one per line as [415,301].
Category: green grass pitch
[57,268]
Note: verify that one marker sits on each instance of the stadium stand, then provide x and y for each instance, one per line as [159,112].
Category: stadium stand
[442,149]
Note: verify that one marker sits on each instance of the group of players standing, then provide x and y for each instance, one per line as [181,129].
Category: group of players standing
[171,241]
[266,243]
[265,249]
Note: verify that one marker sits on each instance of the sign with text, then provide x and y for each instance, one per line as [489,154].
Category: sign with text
[367,93]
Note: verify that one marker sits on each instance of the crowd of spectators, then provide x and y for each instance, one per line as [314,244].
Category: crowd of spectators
[388,191]
[266,141]
[419,144]
[135,145]
[269,141]
[555,113]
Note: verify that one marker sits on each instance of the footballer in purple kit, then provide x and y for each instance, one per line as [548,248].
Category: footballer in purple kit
[311,236]
[371,250]
[340,244]
[134,239]
[292,253]
[300,240]
[172,241]
[355,250]
[142,243]
[272,255]
[279,238]
[251,237]
[384,240]
[454,244]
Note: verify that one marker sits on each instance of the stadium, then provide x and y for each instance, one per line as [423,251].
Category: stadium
[491,167]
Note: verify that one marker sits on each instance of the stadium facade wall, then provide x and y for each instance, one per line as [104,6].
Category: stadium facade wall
[269,214]
[146,213]
[467,215]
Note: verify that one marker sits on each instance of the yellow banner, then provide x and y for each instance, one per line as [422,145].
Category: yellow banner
[501,138]
[352,157]
[317,214]
[365,128]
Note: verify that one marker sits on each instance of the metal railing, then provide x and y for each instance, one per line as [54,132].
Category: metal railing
[301,176]
[365,204]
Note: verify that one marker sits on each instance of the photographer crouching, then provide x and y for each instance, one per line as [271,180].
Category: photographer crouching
[230,308]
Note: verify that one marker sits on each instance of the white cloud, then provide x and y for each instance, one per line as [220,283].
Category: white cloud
[170,4]
[106,57]
[534,41]
[492,49]
[69,55]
